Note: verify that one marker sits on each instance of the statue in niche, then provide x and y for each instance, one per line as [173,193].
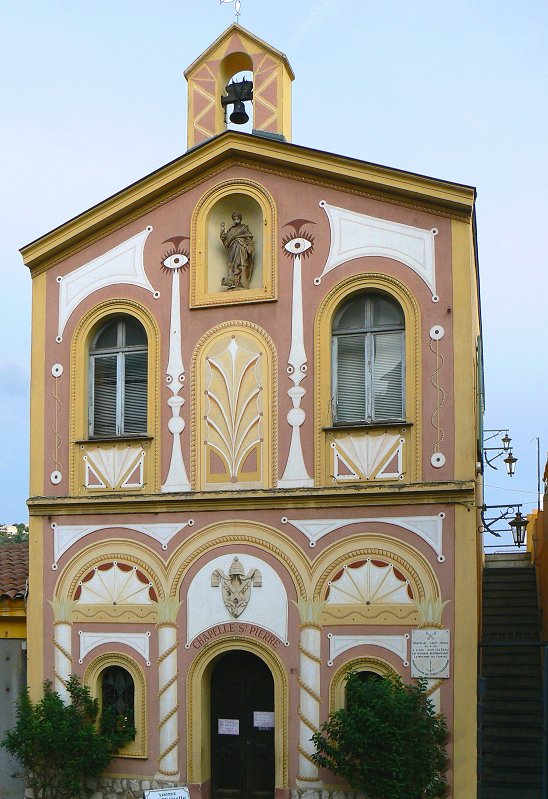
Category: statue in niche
[238,241]
[236,586]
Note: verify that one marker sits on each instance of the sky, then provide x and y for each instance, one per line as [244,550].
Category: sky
[92,98]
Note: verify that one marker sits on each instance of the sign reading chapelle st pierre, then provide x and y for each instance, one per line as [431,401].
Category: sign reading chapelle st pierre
[430,653]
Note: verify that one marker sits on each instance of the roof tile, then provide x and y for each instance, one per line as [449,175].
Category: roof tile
[14,570]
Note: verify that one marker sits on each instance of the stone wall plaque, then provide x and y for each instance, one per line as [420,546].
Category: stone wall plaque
[430,653]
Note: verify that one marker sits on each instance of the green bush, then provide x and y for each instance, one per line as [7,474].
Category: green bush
[61,746]
[388,742]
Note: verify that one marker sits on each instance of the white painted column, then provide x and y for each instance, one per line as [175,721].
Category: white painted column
[62,643]
[295,474]
[310,687]
[168,725]
[176,479]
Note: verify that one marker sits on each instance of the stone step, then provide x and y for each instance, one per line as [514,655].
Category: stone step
[508,560]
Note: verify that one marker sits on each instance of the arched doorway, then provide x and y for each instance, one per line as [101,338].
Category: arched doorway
[242,728]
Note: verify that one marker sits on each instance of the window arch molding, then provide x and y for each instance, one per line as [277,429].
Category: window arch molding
[81,342]
[92,678]
[337,686]
[198,721]
[377,283]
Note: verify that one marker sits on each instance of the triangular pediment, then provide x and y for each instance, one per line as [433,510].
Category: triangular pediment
[223,43]
[219,153]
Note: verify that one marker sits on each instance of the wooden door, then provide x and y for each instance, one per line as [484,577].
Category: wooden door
[242,728]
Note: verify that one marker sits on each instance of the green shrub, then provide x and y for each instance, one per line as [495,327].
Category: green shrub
[388,742]
[61,746]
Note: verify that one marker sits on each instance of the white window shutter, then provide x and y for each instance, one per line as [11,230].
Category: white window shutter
[104,395]
[388,375]
[350,378]
[135,393]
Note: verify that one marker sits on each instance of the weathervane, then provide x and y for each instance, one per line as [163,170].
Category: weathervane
[237,6]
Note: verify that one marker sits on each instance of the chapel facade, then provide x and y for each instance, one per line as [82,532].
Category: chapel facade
[254,441]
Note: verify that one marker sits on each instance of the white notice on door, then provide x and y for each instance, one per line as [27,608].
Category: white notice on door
[264,719]
[228,726]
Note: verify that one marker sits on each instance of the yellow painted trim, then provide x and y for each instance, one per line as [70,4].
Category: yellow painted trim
[137,747]
[338,681]
[232,148]
[198,707]
[12,627]
[35,610]
[254,41]
[269,372]
[465,648]
[465,332]
[233,533]
[362,545]
[369,494]
[199,294]
[343,291]
[79,388]
[120,549]
[38,387]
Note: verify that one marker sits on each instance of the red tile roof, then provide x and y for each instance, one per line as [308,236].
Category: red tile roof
[14,570]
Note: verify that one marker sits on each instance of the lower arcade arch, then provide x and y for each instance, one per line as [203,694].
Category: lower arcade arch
[206,668]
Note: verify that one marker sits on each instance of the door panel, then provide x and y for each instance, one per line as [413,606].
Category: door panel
[242,754]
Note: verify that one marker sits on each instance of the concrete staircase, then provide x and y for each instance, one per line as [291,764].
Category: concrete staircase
[511,707]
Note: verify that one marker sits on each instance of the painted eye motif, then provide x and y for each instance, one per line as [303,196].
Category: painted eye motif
[298,245]
[176,260]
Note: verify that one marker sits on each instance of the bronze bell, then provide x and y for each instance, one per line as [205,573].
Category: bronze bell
[239,116]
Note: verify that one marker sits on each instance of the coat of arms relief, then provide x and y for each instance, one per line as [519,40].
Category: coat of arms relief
[236,586]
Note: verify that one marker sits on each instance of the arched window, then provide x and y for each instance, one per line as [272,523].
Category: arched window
[118,379]
[118,692]
[368,360]
[364,676]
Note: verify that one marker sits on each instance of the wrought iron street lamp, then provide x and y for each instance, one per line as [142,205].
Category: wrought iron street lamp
[503,449]
[518,525]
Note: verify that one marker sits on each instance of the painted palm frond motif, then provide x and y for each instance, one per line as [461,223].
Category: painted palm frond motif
[115,584]
[234,405]
[369,583]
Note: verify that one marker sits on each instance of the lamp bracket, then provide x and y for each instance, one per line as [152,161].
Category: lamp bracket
[488,522]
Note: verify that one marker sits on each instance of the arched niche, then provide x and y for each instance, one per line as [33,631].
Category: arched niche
[212,279]
[218,255]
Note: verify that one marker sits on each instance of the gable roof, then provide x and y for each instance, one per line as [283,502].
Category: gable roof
[14,570]
[243,33]
[250,150]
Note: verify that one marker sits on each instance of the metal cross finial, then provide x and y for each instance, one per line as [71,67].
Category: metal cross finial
[237,7]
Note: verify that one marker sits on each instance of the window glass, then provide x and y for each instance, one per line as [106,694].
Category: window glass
[118,380]
[368,360]
[107,337]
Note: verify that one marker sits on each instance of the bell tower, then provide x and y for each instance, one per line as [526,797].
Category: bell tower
[234,51]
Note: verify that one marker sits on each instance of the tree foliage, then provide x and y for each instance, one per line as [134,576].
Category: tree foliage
[61,746]
[387,742]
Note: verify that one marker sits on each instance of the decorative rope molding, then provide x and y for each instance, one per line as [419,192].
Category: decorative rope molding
[78,387]
[123,558]
[168,674]
[369,281]
[262,336]
[370,552]
[57,474]
[231,539]
[436,334]
[308,710]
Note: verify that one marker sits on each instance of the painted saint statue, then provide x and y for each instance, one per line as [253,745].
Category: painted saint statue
[238,241]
